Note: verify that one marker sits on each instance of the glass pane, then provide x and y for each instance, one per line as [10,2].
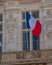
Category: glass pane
[36,43]
[0,42]
[26,41]
[24,25]
[35,14]
[0,27]
[0,17]
[0,37]
[23,15]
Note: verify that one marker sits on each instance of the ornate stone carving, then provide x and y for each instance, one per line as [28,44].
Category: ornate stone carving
[49,29]
[48,12]
[21,55]
[11,25]
[48,21]
[49,35]
[27,57]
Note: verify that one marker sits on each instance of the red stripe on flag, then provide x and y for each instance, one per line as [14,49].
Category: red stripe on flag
[37,29]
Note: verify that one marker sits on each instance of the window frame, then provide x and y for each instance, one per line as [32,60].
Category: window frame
[25,29]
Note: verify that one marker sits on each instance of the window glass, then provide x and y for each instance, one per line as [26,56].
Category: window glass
[35,14]
[36,43]
[24,25]
[0,27]
[0,17]
[26,40]
[23,15]
[0,42]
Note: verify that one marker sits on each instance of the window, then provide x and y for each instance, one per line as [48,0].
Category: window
[0,32]
[24,25]
[26,33]
[35,14]
[0,17]
[26,40]
[36,42]
[23,15]
[0,42]
[0,27]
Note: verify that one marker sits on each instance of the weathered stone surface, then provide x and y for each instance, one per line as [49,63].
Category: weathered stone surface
[22,57]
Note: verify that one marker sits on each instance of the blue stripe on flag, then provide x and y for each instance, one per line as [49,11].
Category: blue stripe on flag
[27,19]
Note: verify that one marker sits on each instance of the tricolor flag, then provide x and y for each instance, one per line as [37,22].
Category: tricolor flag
[33,24]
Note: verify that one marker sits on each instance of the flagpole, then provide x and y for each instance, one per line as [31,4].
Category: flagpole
[26,28]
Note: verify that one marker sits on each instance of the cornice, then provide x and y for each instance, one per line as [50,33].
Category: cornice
[22,1]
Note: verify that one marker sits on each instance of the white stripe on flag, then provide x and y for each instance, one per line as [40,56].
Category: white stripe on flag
[32,22]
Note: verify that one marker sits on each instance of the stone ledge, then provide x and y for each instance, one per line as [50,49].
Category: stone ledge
[22,57]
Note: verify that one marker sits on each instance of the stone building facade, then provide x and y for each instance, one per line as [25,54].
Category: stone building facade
[14,36]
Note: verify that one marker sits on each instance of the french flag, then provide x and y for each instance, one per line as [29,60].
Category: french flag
[33,24]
